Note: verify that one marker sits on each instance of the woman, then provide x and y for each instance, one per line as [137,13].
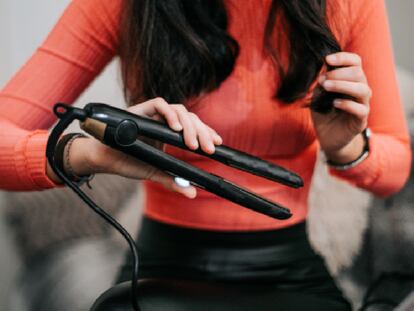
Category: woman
[248,69]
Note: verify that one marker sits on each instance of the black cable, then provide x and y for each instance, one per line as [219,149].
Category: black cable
[108,218]
[68,115]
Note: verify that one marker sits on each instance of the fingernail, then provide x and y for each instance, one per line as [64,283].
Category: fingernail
[194,143]
[177,126]
[328,84]
[337,102]
[181,182]
[219,139]
[194,194]
[331,58]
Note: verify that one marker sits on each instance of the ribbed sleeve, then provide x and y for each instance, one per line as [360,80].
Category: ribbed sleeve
[80,45]
[387,168]
[24,165]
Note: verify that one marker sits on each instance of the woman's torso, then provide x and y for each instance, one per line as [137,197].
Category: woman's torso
[244,112]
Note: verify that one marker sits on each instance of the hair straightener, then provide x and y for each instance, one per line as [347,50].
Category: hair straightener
[121,130]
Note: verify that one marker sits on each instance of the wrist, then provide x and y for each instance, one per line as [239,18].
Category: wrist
[349,153]
[69,157]
[51,174]
[78,161]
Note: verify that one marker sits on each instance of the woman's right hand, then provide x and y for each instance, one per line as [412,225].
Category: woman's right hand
[89,155]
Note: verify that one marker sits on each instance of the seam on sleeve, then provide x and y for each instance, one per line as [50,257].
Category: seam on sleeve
[87,17]
[26,100]
[91,35]
[73,61]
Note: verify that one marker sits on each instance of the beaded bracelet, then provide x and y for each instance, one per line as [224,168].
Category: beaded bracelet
[62,158]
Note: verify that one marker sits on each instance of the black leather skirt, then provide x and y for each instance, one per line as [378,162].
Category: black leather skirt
[278,262]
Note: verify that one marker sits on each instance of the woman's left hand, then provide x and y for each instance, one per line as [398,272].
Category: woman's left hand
[339,132]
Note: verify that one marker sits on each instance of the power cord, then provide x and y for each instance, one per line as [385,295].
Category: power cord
[67,115]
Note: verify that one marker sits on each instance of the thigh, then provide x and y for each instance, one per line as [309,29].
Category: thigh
[284,267]
[297,285]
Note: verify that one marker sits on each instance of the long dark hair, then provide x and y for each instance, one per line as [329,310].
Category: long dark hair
[179,49]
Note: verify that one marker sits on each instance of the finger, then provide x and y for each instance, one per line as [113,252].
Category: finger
[190,191]
[344,59]
[355,89]
[352,74]
[216,137]
[203,134]
[146,108]
[168,182]
[128,166]
[356,109]
[189,131]
[158,117]
[158,106]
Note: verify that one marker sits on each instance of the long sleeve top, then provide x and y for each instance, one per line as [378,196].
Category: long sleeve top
[242,110]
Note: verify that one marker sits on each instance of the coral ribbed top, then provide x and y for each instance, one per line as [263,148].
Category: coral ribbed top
[242,111]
